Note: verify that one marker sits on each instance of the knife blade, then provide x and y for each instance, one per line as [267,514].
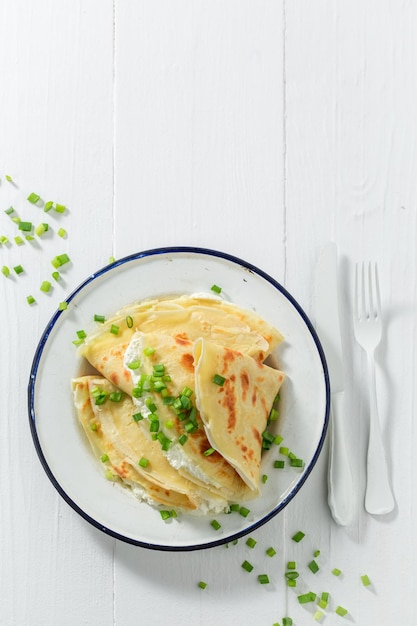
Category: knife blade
[340,486]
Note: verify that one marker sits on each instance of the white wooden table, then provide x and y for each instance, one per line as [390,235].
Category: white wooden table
[257,127]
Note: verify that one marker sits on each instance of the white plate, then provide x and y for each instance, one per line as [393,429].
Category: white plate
[61,445]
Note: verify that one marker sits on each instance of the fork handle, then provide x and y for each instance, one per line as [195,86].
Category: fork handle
[378,496]
[340,487]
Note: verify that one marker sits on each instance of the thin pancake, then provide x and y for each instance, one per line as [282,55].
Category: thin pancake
[235,413]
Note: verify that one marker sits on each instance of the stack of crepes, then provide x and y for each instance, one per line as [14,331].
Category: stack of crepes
[179,400]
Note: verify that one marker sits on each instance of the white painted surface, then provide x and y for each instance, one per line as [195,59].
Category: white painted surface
[260,128]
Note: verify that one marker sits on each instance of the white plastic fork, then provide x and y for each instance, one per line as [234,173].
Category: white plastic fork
[367,325]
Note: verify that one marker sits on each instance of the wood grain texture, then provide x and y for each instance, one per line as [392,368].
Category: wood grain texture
[261,128]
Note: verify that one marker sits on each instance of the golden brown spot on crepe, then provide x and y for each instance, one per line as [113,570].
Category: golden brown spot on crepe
[122,470]
[257,435]
[229,357]
[244,381]
[182,339]
[251,453]
[114,378]
[126,376]
[254,397]
[187,361]
[105,358]
[229,403]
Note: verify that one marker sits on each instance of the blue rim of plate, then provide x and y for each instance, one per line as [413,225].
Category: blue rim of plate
[38,356]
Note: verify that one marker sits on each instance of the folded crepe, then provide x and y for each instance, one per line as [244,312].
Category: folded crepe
[235,410]
[112,432]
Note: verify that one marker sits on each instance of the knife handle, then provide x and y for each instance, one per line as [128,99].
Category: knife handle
[340,485]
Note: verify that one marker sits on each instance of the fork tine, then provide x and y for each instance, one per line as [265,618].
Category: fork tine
[378,294]
[372,313]
[356,307]
[364,313]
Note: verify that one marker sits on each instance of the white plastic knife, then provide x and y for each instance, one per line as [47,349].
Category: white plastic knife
[340,486]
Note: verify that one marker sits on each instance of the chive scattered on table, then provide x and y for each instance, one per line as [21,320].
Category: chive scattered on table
[247,566]
[298,536]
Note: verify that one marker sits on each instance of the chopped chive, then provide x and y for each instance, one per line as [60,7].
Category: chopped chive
[306,597]
[208,452]
[284,450]
[267,436]
[215,524]
[264,478]
[291,582]
[94,426]
[116,396]
[30,300]
[291,575]
[324,600]
[317,553]
[101,398]
[129,321]
[251,542]
[114,329]
[278,440]
[45,286]
[9,211]
[9,178]
[247,566]
[26,226]
[148,351]
[137,417]
[165,515]
[183,439]
[273,415]
[16,220]
[202,584]
[5,271]
[216,289]
[63,306]
[18,241]
[244,511]
[4,239]
[109,475]
[296,462]
[104,458]
[60,208]
[218,380]
[318,615]
[33,198]
[143,462]
[56,276]
[62,232]
[365,580]
[154,426]
[18,269]
[279,464]
[60,259]
[271,552]
[286,621]
[48,206]
[99,318]
[29,237]
[263,579]
[298,536]
[111,260]
[134,365]
[78,342]
[291,565]
[341,611]
[313,566]
[336,571]
[234,507]
[81,334]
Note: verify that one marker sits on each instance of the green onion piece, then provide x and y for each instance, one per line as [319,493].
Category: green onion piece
[216,289]
[81,334]
[336,571]
[5,271]
[9,211]
[60,208]
[29,238]
[247,566]
[9,178]
[318,615]
[154,426]
[137,417]
[62,306]
[267,436]
[26,226]
[45,286]
[215,524]
[104,458]
[279,464]
[169,424]
[251,542]
[77,342]
[285,451]
[218,380]
[109,475]
[313,566]
[16,220]
[60,259]
[4,239]
[244,511]
[30,300]
[263,579]
[292,575]
[94,427]
[114,329]
[183,439]
[111,260]
[264,478]
[116,396]
[99,318]
[129,321]
[286,621]
[41,229]
[296,462]
[33,198]
[18,241]
[341,611]
[306,597]
[165,515]
[148,351]
[164,441]
[62,232]
[150,404]
[143,462]
[278,440]
[365,580]
[291,582]
[101,399]
[324,600]
[291,565]
[202,584]
[56,276]
[273,415]
[18,269]
[317,553]
[234,507]
[271,552]
[48,206]
[208,452]
[298,536]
